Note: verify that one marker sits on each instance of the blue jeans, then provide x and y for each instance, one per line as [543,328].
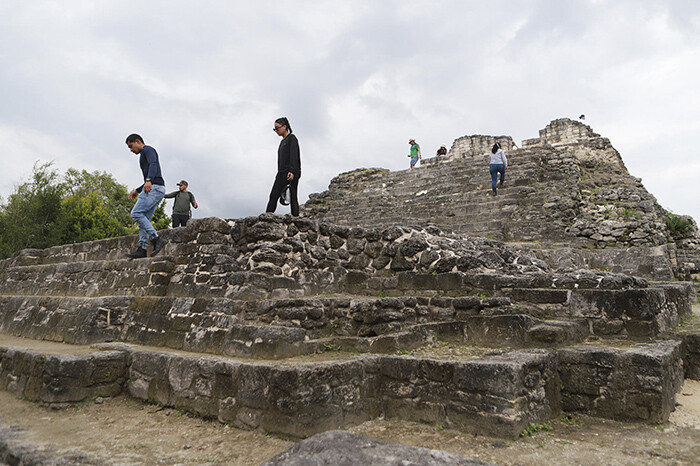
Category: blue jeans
[495,169]
[144,209]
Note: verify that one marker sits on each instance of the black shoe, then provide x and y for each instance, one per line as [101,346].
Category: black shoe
[500,184]
[495,192]
[158,244]
[138,254]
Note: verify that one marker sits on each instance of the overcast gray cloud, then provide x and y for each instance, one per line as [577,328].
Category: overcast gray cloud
[204,81]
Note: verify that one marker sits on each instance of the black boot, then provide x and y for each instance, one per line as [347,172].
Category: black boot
[500,184]
[495,192]
[158,244]
[138,254]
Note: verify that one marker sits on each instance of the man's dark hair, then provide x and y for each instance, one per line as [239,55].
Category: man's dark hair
[284,122]
[133,138]
[495,148]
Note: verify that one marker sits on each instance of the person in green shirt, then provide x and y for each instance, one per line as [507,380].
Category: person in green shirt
[181,207]
[415,152]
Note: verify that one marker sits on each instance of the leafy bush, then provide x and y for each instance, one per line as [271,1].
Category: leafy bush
[679,226]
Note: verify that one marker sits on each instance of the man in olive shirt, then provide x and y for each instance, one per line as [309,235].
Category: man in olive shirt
[181,208]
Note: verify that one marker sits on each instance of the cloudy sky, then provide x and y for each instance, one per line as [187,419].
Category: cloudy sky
[203,82]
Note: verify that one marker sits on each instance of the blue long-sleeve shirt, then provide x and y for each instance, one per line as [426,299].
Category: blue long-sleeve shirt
[150,166]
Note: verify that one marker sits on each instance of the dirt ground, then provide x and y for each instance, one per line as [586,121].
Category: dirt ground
[125,431]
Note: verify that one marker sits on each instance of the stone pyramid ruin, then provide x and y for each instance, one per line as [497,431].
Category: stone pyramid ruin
[568,199]
[386,300]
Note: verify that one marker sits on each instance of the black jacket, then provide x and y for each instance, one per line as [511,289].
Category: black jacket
[289,156]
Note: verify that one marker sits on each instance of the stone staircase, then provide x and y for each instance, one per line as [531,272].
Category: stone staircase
[454,195]
[292,327]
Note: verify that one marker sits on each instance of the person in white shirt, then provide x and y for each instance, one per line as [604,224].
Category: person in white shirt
[498,163]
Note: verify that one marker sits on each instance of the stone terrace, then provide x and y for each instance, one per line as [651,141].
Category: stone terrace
[292,326]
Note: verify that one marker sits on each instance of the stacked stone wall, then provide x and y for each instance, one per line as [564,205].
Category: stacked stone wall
[477,145]
[565,131]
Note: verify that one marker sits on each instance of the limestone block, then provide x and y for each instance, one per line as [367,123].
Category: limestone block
[540,296]
[691,360]
[631,384]
[265,231]
[644,312]
[149,376]
[558,332]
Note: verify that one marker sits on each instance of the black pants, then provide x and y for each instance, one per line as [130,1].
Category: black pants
[277,187]
[180,220]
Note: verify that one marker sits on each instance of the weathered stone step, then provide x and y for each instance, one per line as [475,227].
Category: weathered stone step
[499,393]
[464,183]
[513,330]
[459,176]
[278,329]
[437,183]
[148,276]
[273,257]
[286,327]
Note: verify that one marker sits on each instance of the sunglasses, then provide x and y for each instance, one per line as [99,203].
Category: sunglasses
[276,128]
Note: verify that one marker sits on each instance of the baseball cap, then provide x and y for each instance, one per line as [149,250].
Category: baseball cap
[183,182]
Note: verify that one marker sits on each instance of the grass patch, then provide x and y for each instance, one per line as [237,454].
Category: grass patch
[570,420]
[659,425]
[330,347]
[534,428]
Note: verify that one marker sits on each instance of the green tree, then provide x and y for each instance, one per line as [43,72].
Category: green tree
[87,217]
[102,189]
[105,188]
[29,217]
[160,219]
[82,206]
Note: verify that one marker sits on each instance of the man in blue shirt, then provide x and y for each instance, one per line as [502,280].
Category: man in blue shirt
[149,194]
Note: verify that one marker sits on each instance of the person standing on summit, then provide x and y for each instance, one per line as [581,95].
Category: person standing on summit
[149,194]
[288,167]
[415,152]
